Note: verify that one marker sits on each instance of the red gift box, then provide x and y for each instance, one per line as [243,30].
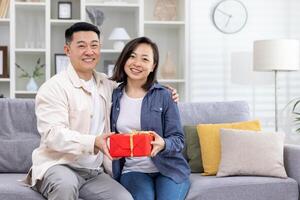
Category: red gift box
[131,145]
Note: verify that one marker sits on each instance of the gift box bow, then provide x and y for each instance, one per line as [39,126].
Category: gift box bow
[137,143]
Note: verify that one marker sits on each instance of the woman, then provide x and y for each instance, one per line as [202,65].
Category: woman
[140,103]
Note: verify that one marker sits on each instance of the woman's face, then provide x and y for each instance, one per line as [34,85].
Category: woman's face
[140,63]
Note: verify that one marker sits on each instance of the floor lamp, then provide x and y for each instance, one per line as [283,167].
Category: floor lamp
[276,55]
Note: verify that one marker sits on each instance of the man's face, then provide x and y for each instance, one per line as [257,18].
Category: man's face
[83,51]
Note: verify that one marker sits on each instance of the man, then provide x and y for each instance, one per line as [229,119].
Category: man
[73,110]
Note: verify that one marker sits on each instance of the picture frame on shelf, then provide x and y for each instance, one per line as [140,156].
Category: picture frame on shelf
[61,62]
[3,62]
[64,10]
[109,67]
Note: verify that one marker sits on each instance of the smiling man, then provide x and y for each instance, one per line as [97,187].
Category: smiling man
[73,110]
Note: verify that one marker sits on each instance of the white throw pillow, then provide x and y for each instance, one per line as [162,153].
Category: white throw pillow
[251,153]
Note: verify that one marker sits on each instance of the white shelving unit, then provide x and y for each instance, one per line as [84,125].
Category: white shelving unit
[33,31]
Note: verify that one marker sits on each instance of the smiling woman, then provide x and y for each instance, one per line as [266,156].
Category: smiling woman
[164,175]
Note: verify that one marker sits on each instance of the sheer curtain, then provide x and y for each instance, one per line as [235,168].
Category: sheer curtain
[211,51]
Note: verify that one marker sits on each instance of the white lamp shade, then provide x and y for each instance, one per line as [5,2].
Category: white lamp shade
[281,54]
[119,34]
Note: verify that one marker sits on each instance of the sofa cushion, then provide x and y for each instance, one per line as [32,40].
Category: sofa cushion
[15,155]
[251,153]
[12,189]
[209,136]
[241,187]
[193,153]
[18,134]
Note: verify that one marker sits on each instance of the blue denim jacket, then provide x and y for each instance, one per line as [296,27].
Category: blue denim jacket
[160,114]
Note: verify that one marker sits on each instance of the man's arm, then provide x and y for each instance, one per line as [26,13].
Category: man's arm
[52,111]
[101,144]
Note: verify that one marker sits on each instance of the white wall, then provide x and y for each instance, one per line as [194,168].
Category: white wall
[210,55]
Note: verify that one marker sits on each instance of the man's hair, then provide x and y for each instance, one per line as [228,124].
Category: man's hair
[80,26]
[119,74]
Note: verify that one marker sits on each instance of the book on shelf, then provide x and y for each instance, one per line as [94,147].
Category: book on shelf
[3,8]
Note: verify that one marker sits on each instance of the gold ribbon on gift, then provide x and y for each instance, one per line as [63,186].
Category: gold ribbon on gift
[131,143]
[131,139]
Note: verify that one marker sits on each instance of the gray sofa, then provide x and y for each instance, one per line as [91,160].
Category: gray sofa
[19,136]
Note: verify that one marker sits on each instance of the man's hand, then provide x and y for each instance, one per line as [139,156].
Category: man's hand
[175,95]
[101,144]
[158,144]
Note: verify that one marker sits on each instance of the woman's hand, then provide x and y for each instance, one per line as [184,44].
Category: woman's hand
[158,144]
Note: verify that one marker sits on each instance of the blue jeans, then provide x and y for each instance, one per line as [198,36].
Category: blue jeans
[150,186]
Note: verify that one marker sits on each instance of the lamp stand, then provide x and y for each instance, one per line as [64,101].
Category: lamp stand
[119,45]
[276,104]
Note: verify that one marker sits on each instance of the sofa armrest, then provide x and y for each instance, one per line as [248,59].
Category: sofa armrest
[292,161]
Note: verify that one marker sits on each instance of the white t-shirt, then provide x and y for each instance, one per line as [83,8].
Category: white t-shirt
[130,119]
[96,127]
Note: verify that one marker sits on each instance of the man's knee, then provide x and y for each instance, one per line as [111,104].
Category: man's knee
[123,195]
[63,190]
[59,182]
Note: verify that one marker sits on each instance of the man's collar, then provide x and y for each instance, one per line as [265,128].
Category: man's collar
[76,80]
[74,76]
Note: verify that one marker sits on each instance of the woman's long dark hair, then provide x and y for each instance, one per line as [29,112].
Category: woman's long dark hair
[119,74]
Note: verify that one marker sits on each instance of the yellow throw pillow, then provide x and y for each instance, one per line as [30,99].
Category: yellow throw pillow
[209,137]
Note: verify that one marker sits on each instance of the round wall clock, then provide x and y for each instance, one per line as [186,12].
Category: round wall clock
[230,16]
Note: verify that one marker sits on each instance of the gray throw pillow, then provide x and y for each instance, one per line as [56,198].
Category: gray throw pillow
[251,153]
[192,146]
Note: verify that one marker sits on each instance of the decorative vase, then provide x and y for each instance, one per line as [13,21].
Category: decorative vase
[168,69]
[165,10]
[31,85]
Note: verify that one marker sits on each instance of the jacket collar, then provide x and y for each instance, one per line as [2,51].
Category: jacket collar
[76,80]
[153,87]
[156,86]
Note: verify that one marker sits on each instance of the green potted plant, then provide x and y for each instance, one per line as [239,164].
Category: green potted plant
[290,121]
[296,114]
[36,73]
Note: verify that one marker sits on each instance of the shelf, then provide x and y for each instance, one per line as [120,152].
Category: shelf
[4,20]
[25,92]
[25,50]
[171,80]
[165,24]
[30,6]
[63,22]
[115,7]
[4,79]
[111,4]
[33,31]
[109,51]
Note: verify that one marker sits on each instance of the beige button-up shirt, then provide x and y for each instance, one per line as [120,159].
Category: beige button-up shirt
[63,111]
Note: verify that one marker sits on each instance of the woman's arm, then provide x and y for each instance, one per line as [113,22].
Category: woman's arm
[172,130]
